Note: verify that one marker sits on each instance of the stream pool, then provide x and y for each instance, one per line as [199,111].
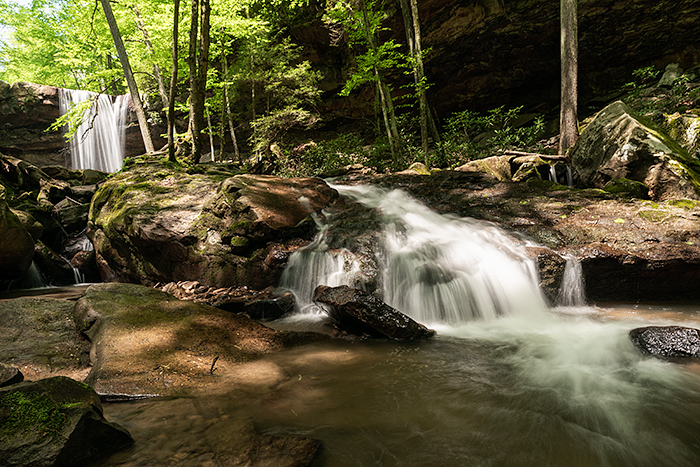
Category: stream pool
[563,389]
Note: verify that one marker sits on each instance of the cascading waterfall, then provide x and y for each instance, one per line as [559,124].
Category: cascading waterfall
[435,268]
[100,139]
[571,291]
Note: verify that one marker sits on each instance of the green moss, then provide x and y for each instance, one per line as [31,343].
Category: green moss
[683,203]
[653,216]
[28,412]
[624,186]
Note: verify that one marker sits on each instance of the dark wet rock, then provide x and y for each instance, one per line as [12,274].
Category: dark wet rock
[10,375]
[71,214]
[667,341]
[55,422]
[151,224]
[55,269]
[17,245]
[618,144]
[661,272]
[550,268]
[85,262]
[270,308]
[360,313]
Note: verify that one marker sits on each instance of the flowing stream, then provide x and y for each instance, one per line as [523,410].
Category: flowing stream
[99,140]
[508,380]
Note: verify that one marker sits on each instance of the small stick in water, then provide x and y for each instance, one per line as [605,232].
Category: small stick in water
[211,370]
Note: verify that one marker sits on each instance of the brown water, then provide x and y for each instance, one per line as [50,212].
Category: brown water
[567,389]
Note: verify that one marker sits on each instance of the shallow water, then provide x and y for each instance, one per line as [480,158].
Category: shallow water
[506,381]
[568,389]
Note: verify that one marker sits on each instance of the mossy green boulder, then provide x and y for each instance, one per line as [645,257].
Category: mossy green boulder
[55,422]
[619,144]
[154,223]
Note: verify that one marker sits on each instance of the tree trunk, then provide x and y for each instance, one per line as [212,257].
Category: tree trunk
[173,85]
[385,94]
[198,63]
[568,120]
[211,137]
[133,90]
[149,48]
[234,140]
[411,21]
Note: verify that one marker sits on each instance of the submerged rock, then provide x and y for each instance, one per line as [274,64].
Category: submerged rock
[361,313]
[667,341]
[55,422]
[618,144]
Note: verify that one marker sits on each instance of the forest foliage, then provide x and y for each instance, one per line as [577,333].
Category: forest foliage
[260,92]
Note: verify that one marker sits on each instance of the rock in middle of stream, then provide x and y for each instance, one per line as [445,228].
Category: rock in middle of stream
[359,312]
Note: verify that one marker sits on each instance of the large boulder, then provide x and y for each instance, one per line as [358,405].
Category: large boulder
[55,422]
[618,144]
[17,246]
[145,341]
[669,342]
[359,312]
[151,224]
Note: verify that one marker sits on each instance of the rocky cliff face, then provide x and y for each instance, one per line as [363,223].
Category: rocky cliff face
[488,53]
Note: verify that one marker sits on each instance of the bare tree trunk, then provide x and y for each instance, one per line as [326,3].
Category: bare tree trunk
[129,75]
[385,94]
[211,137]
[198,62]
[568,121]
[234,140]
[149,48]
[173,85]
[413,36]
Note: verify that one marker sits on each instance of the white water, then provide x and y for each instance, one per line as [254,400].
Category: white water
[435,268]
[99,141]
[536,386]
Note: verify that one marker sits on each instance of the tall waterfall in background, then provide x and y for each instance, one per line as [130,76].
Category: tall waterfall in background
[99,141]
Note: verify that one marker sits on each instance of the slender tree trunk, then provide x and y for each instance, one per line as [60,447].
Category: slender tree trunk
[211,137]
[133,90]
[385,94]
[173,85]
[234,140]
[198,62]
[149,48]
[411,21]
[568,121]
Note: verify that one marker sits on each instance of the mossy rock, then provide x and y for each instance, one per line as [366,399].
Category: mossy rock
[16,247]
[620,144]
[624,186]
[55,422]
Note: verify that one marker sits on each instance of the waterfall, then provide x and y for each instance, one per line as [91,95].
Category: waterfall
[571,291]
[435,268]
[99,141]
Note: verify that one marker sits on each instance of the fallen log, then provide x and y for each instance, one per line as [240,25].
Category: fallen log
[549,157]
